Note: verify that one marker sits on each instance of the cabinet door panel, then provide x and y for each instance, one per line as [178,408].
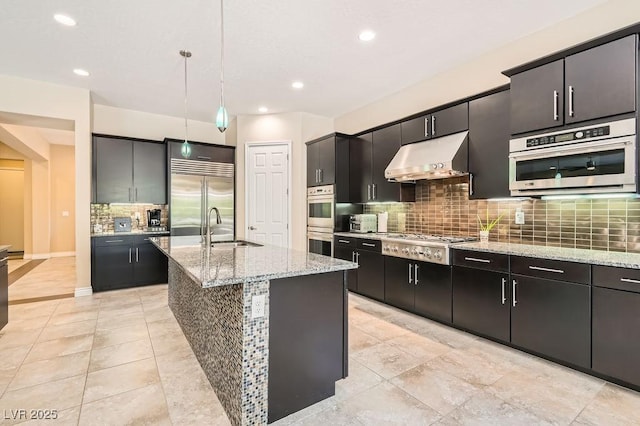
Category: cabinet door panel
[151,265]
[603,80]
[312,164]
[433,290]
[553,319]
[360,168]
[489,146]
[397,289]
[478,304]
[386,143]
[450,120]
[113,267]
[371,274]
[327,160]
[150,172]
[414,130]
[113,168]
[532,98]
[346,253]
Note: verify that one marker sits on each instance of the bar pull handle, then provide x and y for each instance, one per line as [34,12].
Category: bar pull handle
[373,185]
[513,290]
[368,192]
[137,258]
[129,254]
[555,105]
[426,127]
[571,112]
[410,278]
[539,268]
[353,256]
[113,241]
[130,195]
[504,285]
[433,125]
[320,174]
[470,183]
[358,258]
[203,157]
[415,273]
[368,244]
[136,191]
[629,280]
[344,241]
[475,259]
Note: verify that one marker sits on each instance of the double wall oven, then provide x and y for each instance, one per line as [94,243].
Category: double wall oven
[320,219]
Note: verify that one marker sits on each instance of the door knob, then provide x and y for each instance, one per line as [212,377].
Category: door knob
[253,228]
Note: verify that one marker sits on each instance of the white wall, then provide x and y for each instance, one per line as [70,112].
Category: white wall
[296,127]
[137,124]
[484,72]
[23,96]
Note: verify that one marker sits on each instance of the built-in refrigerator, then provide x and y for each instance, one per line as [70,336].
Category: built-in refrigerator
[196,187]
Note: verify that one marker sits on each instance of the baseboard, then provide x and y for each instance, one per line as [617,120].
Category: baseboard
[38,256]
[83,291]
[63,254]
[27,256]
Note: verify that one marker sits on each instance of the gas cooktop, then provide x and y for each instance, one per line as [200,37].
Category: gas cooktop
[426,248]
[431,238]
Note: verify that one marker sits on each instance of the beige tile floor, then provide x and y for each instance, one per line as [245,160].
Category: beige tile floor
[120,358]
[54,276]
[14,264]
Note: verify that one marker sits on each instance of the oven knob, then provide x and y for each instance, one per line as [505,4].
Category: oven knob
[395,249]
[437,255]
[421,253]
[414,252]
[579,135]
[427,252]
[434,166]
[405,250]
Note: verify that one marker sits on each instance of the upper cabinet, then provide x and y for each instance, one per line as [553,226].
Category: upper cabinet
[595,83]
[129,171]
[439,123]
[321,161]
[489,146]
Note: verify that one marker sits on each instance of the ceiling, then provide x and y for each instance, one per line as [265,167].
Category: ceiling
[131,48]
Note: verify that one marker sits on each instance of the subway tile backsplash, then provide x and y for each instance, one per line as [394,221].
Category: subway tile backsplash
[104,213]
[443,207]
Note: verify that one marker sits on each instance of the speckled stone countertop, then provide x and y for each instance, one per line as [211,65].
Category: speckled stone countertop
[112,233]
[365,235]
[596,257]
[4,247]
[224,266]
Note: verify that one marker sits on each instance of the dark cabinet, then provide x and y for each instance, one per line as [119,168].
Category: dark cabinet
[129,171]
[201,151]
[126,261]
[321,158]
[598,82]
[439,123]
[489,146]
[368,279]
[370,154]
[481,296]
[420,287]
[344,248]
[549,316]
[616,323]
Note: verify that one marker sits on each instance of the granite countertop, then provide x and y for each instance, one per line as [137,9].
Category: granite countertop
[365,235]
[224,266]
[596,257]
[137,232]
[4,247]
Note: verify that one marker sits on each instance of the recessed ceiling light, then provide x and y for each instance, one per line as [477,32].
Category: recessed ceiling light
[367,35]
[64,20]
[263,109]
[297,85]
[81,72]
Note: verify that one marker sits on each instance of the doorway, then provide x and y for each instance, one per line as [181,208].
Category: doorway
[267,199]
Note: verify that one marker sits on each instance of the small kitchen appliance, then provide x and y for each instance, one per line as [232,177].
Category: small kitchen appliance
[154,217]
[363,223]
[122,224]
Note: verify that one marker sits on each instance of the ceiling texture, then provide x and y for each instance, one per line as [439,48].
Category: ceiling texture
[131,48]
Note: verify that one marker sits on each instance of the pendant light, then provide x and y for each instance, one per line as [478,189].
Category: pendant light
[222,118]
[185,150]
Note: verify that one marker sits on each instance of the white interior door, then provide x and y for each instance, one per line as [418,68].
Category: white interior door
[268,194]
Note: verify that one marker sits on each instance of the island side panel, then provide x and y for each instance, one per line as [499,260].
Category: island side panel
[212,320]
[307,340]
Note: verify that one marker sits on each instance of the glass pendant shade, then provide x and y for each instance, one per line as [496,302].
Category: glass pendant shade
[185,150]
[222,119]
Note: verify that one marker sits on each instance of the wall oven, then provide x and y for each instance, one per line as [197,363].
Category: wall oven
[600,158]
[320,219]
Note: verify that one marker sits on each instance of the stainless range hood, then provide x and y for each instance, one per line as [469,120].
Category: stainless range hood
[433,159]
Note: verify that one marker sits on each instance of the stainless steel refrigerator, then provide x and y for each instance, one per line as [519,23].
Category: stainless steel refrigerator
[196,187]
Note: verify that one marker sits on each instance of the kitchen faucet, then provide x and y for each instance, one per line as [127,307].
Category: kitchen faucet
[207,237]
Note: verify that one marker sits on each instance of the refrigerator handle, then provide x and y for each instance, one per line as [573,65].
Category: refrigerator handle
[203,209]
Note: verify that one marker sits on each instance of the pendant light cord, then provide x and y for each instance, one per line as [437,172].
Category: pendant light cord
[221,54]
[186,130]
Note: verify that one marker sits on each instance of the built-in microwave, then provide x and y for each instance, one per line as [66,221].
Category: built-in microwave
[599,158]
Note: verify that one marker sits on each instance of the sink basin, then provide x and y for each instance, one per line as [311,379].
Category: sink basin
[233,244]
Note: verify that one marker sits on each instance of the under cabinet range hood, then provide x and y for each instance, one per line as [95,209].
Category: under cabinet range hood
[433,159]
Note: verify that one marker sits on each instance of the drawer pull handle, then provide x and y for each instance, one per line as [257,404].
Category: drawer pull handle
[113,241]
[368,244]
[344,241]
[475,259]
[539,268]
[629,280]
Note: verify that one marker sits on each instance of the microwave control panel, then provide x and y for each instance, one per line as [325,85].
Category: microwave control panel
[592,132]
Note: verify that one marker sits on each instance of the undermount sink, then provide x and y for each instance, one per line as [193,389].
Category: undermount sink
[233,244]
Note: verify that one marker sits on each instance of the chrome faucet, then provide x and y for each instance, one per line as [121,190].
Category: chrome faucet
[207,237]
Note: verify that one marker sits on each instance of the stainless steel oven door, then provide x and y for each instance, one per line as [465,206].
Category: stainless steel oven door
[320,211]
[320,243]
[591,167]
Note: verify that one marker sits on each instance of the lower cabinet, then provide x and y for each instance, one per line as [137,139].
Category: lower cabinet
[126,261]
[344,248]
[424,288]
[368,279]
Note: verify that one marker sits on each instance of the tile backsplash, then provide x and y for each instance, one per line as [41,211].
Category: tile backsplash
[103,214]
[443,207]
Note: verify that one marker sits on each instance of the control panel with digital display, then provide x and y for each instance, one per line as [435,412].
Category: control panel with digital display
[593,132]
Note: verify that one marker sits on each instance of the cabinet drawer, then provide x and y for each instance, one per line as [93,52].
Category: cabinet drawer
[551,269]
[346,242]
[370,245]
[144,239]
[481,260]
[617,278]
[113,240]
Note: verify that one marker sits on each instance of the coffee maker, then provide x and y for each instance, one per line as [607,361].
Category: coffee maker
[153,220]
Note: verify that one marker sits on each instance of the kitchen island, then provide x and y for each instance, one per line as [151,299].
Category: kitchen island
[267,324]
